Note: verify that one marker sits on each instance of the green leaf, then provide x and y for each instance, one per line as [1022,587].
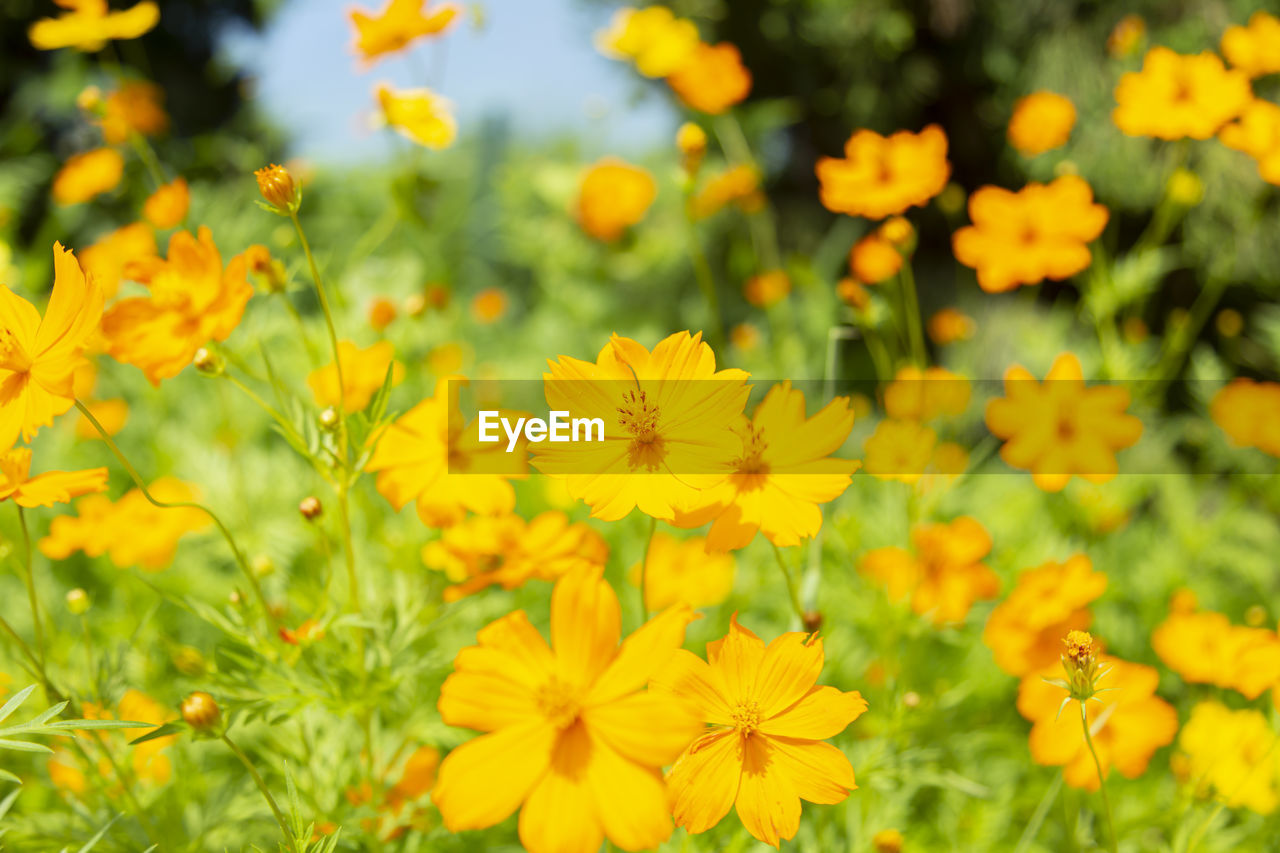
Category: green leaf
[161,731]
[8,777]
[23,746]
[14,702]
[92,842]
[98,724]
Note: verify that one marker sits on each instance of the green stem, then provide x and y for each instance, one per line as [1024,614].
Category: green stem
[348,551]
[262,786]
[791,584]
[142,487]
[1102,782]
[644,569]
[32,599]
[148,157]
[328,321]
[911,310]
[1042,811]
[22,645]
[1181,341]
[706,282]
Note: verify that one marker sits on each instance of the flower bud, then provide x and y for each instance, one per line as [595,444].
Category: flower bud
[262,565]
[208,363]
[692,142]
[277,187]
[90,99]
[1185,188]
[329,419]
[887,841]
[1080,661]
[812,621]
[78,601]
[188,661]
[200,711]
[310,507]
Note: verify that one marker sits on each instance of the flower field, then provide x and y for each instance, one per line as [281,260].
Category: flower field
[884,460]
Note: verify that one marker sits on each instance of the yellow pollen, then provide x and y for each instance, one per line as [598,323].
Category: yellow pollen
[1079,645]
[638,416]
[558,702]
[751,461]
[12,354]
[746,716]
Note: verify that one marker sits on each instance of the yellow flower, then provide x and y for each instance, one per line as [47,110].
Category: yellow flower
[1041,122]
[570,731]
[489,305]
[916,395]
[736,185]
[147,760]
[17,484]
[887,841]
[744,337]
[136,107]
[681,571]
[1042,231]
[1048,602]
[691,140]
[108,260]
[418,115]
[88,25]
[382,313]
[1126,37]
[131,532]
[783,471]
[167,206]
[1232,754]
[430,456]
[949,325]
[1060,428]
[711,79]
[1257,133]
[192,301]
[899,450]
[1249,413]
[1177,95]
[767,288]
[874,259]
[613,196]
[667,416]
[765,750]
[880,176]
[1205,648]
[278,189]
[87,175]
[400,23]
[653,38]
[1254,49]
[363,372]
[39,356]
[945,575]
[1127,722]
[507,550]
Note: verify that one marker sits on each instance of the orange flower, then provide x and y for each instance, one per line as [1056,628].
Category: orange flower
[39,356]
[108,259]
[1061,428]
[418,115]
[570,732]
[1041,122]
[136,107]
[1026,629]
[736,185]
[88,25]
[507,550]
[1257,133]
[916,395]
[1254,49]
[1127,721]
[87,175]
[400,23]
[382,313]
[489,305]
[1249,413]
[1233,755]
[874,259]
[614,195]
[1039,232]
[167,206]
[653,38]
[681,571]
[363,373]
[1205,648]
[430,456]
[880,176]
[950,325]
[193,300]
[711,79]
[767,288]
[1176,96]
[17,484]
[945,575]
[899,450]
[1126,37]
[765,750]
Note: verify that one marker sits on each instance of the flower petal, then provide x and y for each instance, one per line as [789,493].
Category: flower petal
[791,665]
[689,678]
[642,654]
[483,781]
[704,782]
[586,622]
[560,815]
[822,713]
[631,800]
[768,803]
[649,728]
[818,772]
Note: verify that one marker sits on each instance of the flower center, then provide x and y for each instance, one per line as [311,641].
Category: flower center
[639,416]
[750,467]
[558,702]
[12,355]
[746,716]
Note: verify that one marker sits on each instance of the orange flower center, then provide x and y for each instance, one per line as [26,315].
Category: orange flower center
[12,355]
[558,702]
[751,463]
[746,716]
[638,416]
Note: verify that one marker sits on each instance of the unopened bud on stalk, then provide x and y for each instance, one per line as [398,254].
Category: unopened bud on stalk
[329,418]
[200,711]
[188,661]
[692,142]
[812,620]
[262,565]
[1080,662]
[90,99]
[78,601]
[278,188]
[310,507]
[208,362]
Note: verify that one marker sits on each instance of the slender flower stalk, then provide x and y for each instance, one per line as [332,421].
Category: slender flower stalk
[911,312]
[1102,781]
[262,786]
[33,600]
[792,591]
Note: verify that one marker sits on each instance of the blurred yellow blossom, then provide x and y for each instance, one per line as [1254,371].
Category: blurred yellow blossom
[1257,133]
[363,373]
[381,313]
[136,107]
[745,337]
[108,259]
[653,38]
[167,206]
[1177,95]
[1254,49]
[767,288]
[1126,37]
[418,115]
[691,141]
[874,259]
[880,176]
[711,79]
[1041,122]
[887,841]
[613,196]
[683,571]
[1249,413]
[899,450]
[87,175]
[922,395]
[1232,756]
[949,325]
[398,25]
[489,305]
[738,185]
[89,24]
[18,485]
[1205,648]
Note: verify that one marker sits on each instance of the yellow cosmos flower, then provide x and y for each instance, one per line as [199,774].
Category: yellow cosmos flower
[1249,413]
[944,576]
[1177,95]
[192,301]
[768,288]
[681,571]
[418,115]
[17,484]
[1026,629]
[1254,49]
[570,730]
[711,79]
[136,107]
[167,206]
[922,395]
[738,185]
[429,455]
[398,25]
[653,38]
[147,760]
[899,450]
[131,532]
[765,750]
[108,260]
[784,470]
[1060,428]
[363,372]
[874,259]
[87,175]
[1257,133]
[88,25]
[1205,648]
[667,418]
[613,196]
[1042,231]
[1127,722]
[507,550]
[39,355]
[949,325]
[1232,756]
[1041,122]
[880,176]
